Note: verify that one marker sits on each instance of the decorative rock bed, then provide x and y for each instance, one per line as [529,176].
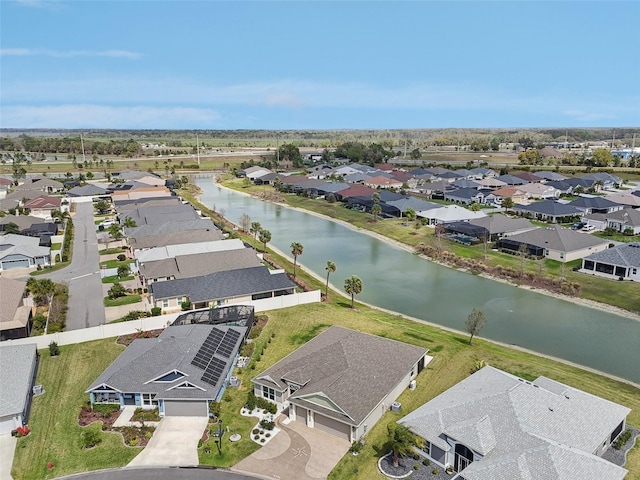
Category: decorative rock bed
[259,434]
[407,469]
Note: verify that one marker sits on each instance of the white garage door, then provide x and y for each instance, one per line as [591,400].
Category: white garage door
[185,408]
[332,426]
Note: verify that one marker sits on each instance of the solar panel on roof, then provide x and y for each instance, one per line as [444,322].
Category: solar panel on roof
[214,371]
[208,348]
[228,344]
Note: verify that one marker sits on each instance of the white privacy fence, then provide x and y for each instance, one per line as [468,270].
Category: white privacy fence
[151,323]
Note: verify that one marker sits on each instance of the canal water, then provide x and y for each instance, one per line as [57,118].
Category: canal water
[398,280]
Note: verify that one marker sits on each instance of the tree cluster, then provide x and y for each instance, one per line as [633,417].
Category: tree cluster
[361,153]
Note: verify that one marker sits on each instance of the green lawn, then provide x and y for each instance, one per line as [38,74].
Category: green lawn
[111,251]
[126,300]
[56,246]
[55,433]
[57,266]
[116,263]
[116,278]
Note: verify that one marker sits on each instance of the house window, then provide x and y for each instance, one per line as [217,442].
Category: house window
[165,303]
[148,399]
[269,393]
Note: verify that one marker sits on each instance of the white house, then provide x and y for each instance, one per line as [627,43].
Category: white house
[619,262]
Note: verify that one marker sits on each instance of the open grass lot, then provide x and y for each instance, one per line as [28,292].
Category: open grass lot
[116,263]
[625,295]
[116,278]
[55,435]
[126,300]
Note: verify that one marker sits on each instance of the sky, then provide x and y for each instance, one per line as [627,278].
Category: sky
[319,65]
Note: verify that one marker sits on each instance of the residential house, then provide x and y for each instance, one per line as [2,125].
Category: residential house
[170,227]
[481,172]
[232,287]
[591,204]
[436,189]
[160,215]
[15,313]
[128,205]
[40,184]
[539,191]
[138,244]
[495,426]
[466,183]
[196,265]
[21,221]
[512,180]
[493,227]
[529,177]
[17,375]
[354,191]
[19,251]
[139,193]
[604,180]
[580,183]
[549,210]
[416,204]
[172,251]
[619,262]
[253,172]
[88,190]
[465,196]
[550,176]
[514,193]
[43,206]
[180,373]
[491,182]
[342,381]
[554,242]
[627,199]
[449,213]
[624,220]
[562,186]
[357,177]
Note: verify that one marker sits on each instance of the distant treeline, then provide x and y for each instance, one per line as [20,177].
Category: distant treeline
[129,142]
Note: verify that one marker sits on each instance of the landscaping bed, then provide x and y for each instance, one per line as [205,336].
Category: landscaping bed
[107,414]
[127,339]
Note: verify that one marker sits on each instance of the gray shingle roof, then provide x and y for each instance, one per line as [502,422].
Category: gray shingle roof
[558,238]
[593,202]
[149,358]
[10,299]
[175,238]
[549,207]
[355,370]
[221,285]
[170,251]
[625,255]
[523,430]
[15,379]
[123,207]
[170,227]
[185,266]
[499,223]
[87,190]
[628,216]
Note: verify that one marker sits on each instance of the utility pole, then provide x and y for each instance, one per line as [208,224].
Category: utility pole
[278,149]
[198,148]
[82,144]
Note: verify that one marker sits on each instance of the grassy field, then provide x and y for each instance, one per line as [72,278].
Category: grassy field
[126,300]
[624,295]
[116,278]
[55,435]
[117,263]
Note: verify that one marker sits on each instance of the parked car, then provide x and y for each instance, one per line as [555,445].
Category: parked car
[588,228]
[578,226]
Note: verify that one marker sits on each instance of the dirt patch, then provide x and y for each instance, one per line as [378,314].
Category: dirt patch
[87,416]
[127,339]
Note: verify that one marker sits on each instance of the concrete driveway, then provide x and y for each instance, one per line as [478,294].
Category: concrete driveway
[7,450]
[174,443]
[296,453]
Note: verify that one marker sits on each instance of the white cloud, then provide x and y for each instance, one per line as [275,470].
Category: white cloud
[99,116]
[24,52]
[588,116]
[46,4]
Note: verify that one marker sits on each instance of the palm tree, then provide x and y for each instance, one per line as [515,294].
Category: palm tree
[375,197]
[296,250]
[330,268]
[255,229]
[265,237]
[410,213]
[129,223]
[353,286]
[376,210]
[402,441]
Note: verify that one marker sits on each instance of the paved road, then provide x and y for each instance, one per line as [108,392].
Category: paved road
[162,474]
[83,275]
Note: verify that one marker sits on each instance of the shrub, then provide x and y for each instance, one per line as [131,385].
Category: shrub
[123,271]
[156,311]
[256,437]
[267,435]
[426,462]
[622,439]
[251,401]
[133,441]
[185,305]
[57,258]
[214,409]
[255,431]
[117,291]
[122,257]
[267,425]
[90,438]
[54,349]
[416,466]
[435,471]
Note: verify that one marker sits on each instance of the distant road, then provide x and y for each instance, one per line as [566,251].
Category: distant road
[83,274]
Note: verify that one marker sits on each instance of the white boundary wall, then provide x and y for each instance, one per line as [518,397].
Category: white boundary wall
[151,323]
